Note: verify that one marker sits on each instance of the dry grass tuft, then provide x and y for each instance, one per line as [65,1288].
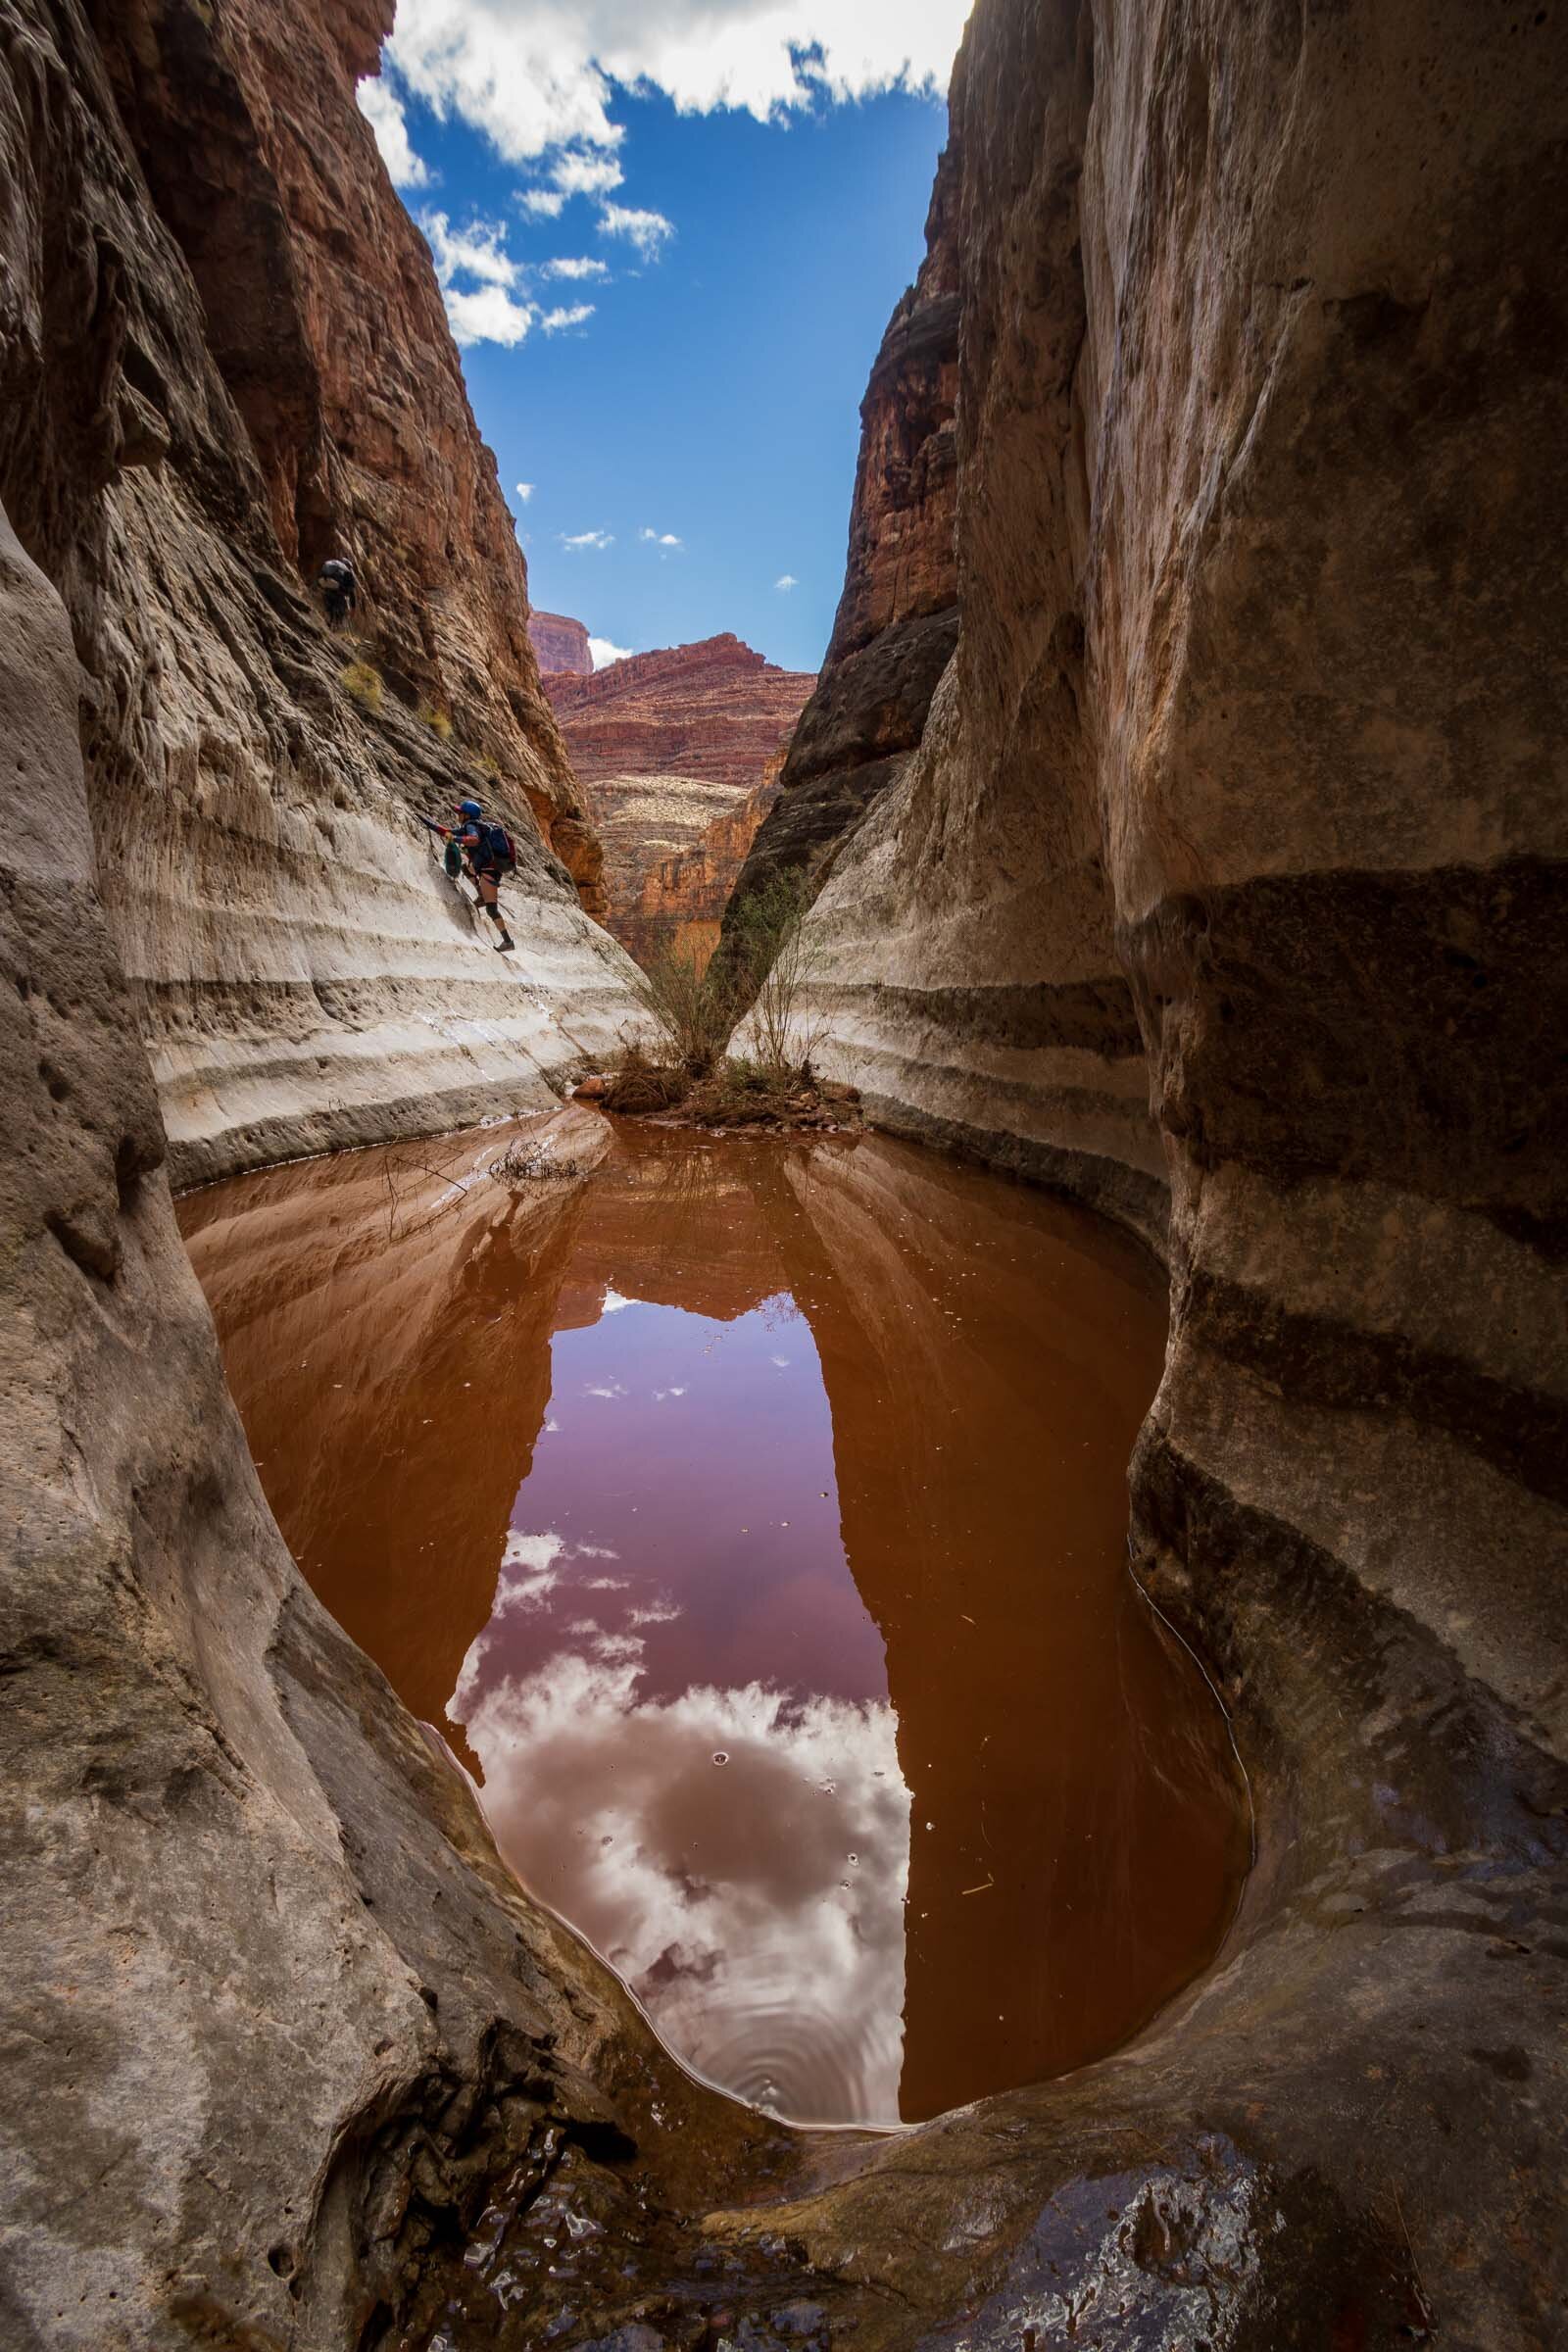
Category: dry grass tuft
[363,682]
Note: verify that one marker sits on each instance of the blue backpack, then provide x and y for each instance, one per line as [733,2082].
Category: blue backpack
[498,845]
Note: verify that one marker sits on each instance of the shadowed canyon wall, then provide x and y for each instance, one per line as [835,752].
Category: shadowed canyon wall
[1242,797]
[223,351]
[672,749]
[1229,875]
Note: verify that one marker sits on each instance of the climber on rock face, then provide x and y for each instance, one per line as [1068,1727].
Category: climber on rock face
[489,856]
[339,588]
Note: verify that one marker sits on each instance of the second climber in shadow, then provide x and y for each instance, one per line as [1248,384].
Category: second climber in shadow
[488,855]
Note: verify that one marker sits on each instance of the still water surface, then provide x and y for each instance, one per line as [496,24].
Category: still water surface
[751,1519]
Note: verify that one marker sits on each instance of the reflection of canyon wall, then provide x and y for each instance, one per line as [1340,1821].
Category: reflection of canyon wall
[672,749]
[1230,870]
[225,354]
[1114,1837]
[897,619]
[426,1402]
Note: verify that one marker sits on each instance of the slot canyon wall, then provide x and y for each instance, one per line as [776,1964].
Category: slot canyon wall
[1245,784]
[677,754]
[1226,891]
[224,354]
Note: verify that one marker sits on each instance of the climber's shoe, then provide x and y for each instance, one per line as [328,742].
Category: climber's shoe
[506,946]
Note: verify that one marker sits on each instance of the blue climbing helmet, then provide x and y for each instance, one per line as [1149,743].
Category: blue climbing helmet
[468,809]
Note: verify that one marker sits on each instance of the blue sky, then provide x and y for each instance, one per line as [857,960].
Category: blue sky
[683,396]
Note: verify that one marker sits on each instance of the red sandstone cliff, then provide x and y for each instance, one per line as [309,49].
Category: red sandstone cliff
[669,747]
[897,621]
[328,325]
[559,644]
[681,904]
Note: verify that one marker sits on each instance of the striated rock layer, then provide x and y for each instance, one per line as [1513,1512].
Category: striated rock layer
[671,748]
[897,620]
[1255,716]
[1227,890]
[302,972]
[682,901]
[560,645]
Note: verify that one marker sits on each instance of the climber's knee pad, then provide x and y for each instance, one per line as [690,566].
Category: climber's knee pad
[492,908]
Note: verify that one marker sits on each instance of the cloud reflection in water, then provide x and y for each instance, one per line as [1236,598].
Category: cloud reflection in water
[729,1901]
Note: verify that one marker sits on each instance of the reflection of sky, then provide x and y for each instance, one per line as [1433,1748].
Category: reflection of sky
[681,1706]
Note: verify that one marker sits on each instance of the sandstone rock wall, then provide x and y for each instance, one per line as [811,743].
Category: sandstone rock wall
[1256,711]
[302,973]
[897,619]
[1230,871]
[670,747]
[559,644]
[682,900]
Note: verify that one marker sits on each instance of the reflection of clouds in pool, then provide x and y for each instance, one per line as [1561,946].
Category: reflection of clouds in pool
[531,1569]
[614,1301]
[719,1897]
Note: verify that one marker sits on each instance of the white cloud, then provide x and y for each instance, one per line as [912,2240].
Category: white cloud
[573,266]
[382,110]
[580,174]
[545,204]
[614,1303]
[786,582]
[602,653]
[554,322]
[525,491]
[649,232]
[574,542]
[661,538]
[490,316]
[485,309]
[539,75]
[478,251]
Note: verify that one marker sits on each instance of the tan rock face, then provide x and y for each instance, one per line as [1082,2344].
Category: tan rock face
[681,904]
[326,323]
[559,644]
[677,754]
[896,619]
[303,972]
[1228,875]
[1254,730]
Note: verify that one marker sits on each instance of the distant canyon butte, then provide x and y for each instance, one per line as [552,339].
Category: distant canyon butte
[678,755]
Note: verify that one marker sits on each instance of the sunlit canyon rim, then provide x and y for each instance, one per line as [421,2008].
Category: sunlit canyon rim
[1215,878]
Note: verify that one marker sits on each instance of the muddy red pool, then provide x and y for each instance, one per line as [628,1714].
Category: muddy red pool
[750,1516]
